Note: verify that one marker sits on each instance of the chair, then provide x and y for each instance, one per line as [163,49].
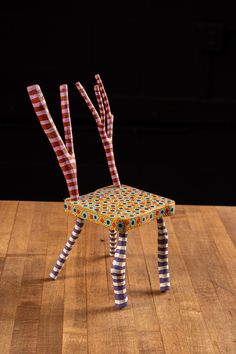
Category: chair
[117,207]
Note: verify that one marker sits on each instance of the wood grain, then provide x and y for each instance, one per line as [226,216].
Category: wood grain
[12,273]
[122,322]
[75,336]
[76,313]
[98,304]
[7,218]
[52,306]
[29,300]
[145,315]
[167,308]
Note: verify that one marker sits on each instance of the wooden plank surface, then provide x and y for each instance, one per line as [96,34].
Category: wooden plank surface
[75,336]
[52,304]
[26,322]
[76,313]
[167,308]
[8,212]
[146,319]
[12,273]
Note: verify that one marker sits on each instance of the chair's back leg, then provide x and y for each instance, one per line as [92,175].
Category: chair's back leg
[162,254]
[104,121]
[64,153]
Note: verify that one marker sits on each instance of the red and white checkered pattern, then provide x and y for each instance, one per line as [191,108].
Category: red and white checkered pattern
[104,123]
[64,153]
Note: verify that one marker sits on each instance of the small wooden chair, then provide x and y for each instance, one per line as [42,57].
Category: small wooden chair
[118,207]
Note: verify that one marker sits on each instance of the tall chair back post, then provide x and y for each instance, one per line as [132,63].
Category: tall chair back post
[104,120]
[65,157]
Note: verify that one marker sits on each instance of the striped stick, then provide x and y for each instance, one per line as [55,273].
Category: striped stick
[113,242]
[162,255]
[105,111]
[100,105]
[65,111]
[104,123]
[118,272]
[99,87]
[68,247]
[64,153]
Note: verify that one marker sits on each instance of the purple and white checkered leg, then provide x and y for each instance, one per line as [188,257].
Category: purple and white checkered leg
[113,242]
[162,255]
[68,247]
[118,272]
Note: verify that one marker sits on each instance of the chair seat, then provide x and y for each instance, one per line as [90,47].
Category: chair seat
[120,208]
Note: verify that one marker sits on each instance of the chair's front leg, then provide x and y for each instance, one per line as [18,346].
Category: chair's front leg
[113,242]
[118,272]
[68,247]
[162,255]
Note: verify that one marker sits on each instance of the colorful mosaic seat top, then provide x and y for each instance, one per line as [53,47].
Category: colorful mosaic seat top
[120,208]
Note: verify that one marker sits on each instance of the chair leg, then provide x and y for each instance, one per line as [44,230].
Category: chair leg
[113,242]
[162,255]
[118,272]
[68,247]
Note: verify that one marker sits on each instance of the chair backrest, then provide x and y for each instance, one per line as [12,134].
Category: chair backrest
[104,123]
[65,150]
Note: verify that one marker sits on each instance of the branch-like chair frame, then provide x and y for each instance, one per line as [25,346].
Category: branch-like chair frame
[118,231]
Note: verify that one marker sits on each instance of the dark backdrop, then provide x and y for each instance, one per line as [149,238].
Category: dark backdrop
[170,74]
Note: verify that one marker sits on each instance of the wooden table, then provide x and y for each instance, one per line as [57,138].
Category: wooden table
[76,313]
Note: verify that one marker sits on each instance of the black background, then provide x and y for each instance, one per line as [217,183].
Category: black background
[170,74]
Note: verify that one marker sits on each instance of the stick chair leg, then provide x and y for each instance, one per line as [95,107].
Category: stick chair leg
[162,254]
[113,242]
[68,247]
[118,272]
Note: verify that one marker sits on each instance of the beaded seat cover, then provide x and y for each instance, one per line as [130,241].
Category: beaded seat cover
[120,208]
